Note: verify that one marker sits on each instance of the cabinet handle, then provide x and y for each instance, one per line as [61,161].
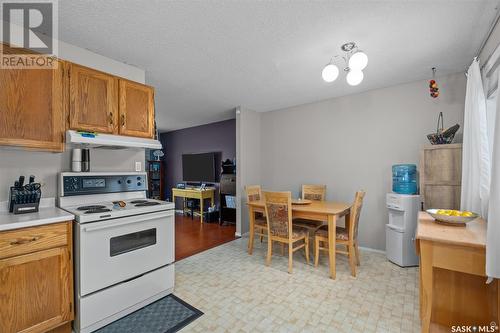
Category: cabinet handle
[24,241]
[123,120]
[111,118]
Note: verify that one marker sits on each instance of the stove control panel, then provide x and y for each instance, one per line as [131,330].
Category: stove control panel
[78,184]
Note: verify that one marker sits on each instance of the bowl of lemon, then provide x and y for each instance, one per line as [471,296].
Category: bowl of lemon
[452,217]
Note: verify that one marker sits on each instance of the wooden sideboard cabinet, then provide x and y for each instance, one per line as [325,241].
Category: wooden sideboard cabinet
[136,108]
[441,176]
[453,289]
[36,279]
[31,107]
[93,99]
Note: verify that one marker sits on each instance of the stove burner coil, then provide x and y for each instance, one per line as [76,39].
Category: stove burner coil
[97,210]
[138,201]
[148,203]
[92,207]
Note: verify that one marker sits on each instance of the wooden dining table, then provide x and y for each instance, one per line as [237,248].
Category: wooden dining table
[324,211]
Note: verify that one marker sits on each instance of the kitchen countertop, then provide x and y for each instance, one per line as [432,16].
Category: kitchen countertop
[473,234]
[47,214]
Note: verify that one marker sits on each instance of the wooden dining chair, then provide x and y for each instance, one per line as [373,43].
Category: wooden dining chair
[280,228]
[313,193]
[254,193]
[347,236]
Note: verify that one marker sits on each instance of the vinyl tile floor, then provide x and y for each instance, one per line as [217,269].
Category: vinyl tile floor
[238,293]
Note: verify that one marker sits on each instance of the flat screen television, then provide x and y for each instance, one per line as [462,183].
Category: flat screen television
[198,167]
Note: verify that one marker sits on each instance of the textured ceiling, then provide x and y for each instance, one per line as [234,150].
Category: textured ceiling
[207,57]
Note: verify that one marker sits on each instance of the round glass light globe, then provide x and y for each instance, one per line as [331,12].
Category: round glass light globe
[330,73]
[358,61]
[354,77]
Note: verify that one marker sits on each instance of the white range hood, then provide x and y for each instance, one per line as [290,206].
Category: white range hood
[110,141]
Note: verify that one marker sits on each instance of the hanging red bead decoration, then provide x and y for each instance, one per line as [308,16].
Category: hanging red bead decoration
[433,87]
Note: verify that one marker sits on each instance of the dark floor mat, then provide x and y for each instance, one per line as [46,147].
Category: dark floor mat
[166,315]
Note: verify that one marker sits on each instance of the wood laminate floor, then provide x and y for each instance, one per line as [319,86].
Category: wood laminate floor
[192,237]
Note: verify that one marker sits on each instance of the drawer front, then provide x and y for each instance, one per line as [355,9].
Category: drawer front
[28,240]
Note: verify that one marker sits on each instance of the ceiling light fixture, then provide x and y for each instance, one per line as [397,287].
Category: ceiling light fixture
[354,77]
[355,61]
[330,72]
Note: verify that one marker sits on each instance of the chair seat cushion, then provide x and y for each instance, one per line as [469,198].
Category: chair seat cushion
[309,224]
[298,232]
[260,222]
[341,233]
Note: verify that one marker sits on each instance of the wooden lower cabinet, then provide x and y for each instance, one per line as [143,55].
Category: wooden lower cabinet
[36,289]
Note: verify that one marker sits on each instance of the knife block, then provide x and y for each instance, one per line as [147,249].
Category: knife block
[24,200]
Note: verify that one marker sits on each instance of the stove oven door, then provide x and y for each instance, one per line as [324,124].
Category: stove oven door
[118,250]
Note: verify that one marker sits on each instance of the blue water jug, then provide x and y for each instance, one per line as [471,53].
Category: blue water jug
[404,178]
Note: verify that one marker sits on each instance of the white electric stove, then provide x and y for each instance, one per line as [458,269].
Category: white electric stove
[123,245]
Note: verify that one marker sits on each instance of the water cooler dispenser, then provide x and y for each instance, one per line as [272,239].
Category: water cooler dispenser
[403,205]
[400,231]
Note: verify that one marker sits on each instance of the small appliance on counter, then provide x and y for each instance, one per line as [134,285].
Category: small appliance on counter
[86,160]
[80,160]
[76,160]
[400,231]
[25,198]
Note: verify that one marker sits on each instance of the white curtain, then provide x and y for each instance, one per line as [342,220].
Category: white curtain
[476,162]
[493,231]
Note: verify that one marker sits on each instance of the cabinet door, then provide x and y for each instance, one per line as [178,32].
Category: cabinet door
[36,291]
[136,109]
[443,165]
[31,108]
[93,100]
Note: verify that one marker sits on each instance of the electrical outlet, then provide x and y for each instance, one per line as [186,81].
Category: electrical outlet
[138,166]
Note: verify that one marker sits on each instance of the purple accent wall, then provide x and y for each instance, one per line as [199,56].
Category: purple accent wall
[215,137]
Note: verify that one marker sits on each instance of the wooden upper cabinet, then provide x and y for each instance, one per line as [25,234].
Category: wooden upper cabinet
[136,109]
[31,108]
[93,100]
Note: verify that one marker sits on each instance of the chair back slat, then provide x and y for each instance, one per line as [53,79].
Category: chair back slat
[355,213]
[314,192]
[279,213]
[254,193]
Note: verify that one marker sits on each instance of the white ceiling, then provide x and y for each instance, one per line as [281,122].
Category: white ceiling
[207,57]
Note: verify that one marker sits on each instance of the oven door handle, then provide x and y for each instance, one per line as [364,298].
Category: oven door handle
[125,221]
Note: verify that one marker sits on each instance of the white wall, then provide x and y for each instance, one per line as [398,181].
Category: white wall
[96,61]
[248,161]
[46,166]
[350,143]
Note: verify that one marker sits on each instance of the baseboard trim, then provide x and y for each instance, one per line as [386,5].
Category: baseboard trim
[369,249]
